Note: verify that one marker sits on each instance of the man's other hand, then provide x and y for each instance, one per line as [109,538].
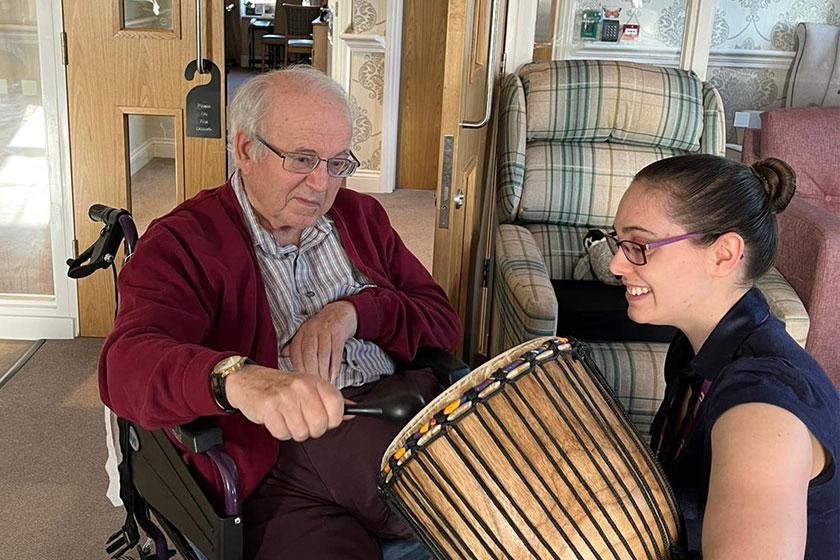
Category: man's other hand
[290,405]
[318,345]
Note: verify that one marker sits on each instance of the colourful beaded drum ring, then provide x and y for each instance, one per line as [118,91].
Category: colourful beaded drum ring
[530,456]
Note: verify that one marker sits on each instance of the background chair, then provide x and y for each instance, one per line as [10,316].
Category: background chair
[572,136]
[808,138]
[275,39]
[299,29]
[256,27]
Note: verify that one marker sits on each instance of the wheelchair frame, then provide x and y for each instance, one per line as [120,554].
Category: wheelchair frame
[160,482]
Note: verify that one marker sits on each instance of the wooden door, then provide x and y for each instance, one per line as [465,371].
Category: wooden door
[127,59]
[465,169]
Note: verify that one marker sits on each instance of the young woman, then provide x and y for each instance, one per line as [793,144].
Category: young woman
[749,430]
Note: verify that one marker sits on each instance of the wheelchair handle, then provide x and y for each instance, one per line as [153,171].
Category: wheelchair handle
[398,408]
[118,225]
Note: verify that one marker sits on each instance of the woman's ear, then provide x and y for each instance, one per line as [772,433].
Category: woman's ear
[726,253]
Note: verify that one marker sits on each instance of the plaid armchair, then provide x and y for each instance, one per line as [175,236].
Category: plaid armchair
[572,136]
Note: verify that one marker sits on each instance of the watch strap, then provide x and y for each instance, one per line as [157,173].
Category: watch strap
[217,384]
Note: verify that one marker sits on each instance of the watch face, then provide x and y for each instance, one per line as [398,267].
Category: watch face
[226,363]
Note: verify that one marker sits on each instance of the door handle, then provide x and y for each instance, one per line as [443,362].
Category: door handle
[199,39]
[459,199]
[488,103]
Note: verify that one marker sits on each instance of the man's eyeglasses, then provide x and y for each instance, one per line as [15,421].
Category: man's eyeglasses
[636,253]
[304,163]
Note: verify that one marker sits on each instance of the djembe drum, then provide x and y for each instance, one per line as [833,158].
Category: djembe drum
[530,456]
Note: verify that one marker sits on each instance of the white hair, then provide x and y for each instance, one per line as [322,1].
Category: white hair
[252,102]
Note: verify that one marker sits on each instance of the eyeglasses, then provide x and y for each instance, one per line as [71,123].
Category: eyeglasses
[636,253]
[303,163]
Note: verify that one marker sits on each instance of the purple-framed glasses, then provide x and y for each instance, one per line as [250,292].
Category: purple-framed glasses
[636,253]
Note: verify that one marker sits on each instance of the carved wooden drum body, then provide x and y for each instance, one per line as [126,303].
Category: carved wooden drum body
[530,456]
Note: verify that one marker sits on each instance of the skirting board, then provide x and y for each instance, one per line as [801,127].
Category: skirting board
[151,148]
[368,182]
[33,328]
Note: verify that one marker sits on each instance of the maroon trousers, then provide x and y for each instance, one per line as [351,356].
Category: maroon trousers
[320,500]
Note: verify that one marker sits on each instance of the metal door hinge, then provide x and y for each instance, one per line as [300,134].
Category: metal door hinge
[502,64]
[75,248]
[485,273]
[64,48]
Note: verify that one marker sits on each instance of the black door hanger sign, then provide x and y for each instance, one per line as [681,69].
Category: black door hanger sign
[204,103]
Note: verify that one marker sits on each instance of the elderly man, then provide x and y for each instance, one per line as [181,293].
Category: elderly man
[269,301]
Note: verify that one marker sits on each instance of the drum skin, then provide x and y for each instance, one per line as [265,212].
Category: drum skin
[530,456]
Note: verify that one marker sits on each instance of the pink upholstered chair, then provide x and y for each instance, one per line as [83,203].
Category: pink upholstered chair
[808,138]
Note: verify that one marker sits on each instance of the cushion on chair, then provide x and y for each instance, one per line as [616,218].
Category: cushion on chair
[524,306]
[511,148]
[273,39]
[599,100]
[713,139]
[594,311]
[785,304]
[815,74]
[807,138]
[561,247]
[299,43]
[580,183]
[634,371]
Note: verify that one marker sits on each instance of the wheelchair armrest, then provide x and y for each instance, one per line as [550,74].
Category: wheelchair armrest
[163,480]
[199,436]
[447,368]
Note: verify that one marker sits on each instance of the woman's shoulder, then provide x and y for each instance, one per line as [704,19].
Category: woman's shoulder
[800,387]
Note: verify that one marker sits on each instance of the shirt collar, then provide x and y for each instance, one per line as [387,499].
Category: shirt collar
[748,313]
[262,238]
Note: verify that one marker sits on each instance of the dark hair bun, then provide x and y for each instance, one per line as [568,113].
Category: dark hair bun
[778,180]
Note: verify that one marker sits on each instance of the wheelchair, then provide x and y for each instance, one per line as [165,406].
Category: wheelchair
[160,495]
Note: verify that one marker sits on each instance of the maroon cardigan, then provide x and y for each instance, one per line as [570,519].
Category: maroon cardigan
[193,294]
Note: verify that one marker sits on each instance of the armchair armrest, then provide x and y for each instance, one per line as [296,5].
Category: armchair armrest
[524,303]
[809,259]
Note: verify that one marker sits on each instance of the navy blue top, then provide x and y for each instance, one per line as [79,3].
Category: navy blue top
[749,357]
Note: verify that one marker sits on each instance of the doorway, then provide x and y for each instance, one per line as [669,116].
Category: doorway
[36,299]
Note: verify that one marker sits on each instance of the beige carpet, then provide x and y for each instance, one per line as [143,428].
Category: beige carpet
[11,351]
[52,457]
[412,213]
[152,192]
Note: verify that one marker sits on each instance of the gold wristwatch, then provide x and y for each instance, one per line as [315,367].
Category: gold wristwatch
[218,376]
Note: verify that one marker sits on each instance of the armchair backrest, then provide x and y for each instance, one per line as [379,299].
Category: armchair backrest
[574,133]
[808,139]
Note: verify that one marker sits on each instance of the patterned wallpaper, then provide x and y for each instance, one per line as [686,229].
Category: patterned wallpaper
[367,80]
[366,84]
[756,25]
[767,25]
[369,16]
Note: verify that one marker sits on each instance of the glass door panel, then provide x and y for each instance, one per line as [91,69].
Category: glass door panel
[25,246]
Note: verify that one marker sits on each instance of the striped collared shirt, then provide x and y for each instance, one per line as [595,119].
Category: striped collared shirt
[300,281]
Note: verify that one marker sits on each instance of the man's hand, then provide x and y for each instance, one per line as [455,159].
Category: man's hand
[318,345]
[290,405]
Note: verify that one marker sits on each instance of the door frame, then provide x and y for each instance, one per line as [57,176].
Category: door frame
[26,317]
[345,41]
